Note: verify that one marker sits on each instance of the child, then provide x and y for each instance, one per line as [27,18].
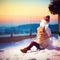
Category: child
[43,34]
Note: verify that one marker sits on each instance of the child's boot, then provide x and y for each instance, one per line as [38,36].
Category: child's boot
[24,50]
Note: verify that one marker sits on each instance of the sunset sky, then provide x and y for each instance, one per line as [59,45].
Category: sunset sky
[16,12]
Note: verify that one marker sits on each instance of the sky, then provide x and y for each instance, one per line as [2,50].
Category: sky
[16,12]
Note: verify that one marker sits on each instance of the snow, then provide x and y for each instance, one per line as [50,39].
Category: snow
[14,53]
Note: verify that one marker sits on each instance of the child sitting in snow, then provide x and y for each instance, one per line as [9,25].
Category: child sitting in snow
[43,34]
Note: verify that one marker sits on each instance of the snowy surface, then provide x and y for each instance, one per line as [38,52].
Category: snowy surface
[14,53]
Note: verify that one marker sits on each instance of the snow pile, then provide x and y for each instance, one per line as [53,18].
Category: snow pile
[55,42]
[14,53]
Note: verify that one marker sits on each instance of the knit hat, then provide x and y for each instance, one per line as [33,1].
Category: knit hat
[47,18]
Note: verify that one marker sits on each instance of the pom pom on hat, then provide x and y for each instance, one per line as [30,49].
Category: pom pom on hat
[47,18]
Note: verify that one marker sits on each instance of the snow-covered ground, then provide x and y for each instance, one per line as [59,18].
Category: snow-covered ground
[14,53]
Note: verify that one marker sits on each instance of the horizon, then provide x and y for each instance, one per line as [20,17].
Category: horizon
[53,23]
